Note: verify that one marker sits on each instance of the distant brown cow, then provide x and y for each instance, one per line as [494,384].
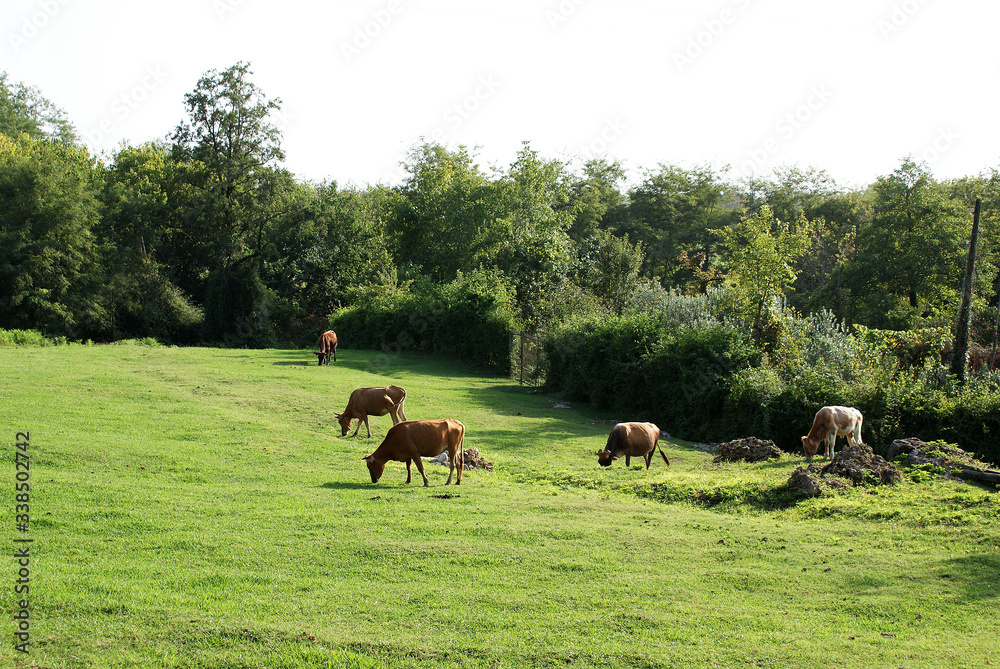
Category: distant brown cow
[628,439]
[366,402]
[413,439]
[828,424]
[327,346]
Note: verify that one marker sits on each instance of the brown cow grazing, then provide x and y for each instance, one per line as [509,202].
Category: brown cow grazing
[628,439]
[411,440]
[366,402]
[830,423]
[327,346]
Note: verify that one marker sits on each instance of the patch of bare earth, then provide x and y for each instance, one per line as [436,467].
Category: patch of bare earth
[750,449]
[854,465]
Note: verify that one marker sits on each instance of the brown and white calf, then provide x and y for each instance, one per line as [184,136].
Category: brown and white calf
[365,402]
[415,439]
[829,423]
[631,439]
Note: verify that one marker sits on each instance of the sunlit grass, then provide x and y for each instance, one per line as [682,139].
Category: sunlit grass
[197,508]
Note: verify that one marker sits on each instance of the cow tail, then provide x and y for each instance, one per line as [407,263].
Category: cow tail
[662,454]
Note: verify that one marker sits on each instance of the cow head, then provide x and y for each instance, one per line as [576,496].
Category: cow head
[375,468]
[345,424]
[810,446]
[320,356]
[604,458]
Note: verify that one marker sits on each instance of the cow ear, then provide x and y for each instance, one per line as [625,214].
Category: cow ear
[599,452]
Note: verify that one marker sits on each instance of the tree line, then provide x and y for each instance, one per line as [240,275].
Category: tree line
[205,237]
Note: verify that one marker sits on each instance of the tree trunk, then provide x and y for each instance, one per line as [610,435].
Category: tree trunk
[959,360]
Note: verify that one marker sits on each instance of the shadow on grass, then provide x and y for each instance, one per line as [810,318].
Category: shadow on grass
[978,575]
[347,485]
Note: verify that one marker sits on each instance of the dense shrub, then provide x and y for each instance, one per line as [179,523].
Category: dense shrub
[470,319]
[23,338]
[639,368]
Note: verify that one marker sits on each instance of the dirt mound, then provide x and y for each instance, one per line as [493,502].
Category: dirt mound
[750,449]
[859,464]
[810,482]
[470,460]
[953,461]
[934,453]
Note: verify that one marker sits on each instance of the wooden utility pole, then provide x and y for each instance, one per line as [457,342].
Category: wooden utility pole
[960,350]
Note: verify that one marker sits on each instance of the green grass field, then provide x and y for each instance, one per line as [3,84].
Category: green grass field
[198,508]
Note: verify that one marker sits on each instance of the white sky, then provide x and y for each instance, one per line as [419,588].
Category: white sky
[849,86]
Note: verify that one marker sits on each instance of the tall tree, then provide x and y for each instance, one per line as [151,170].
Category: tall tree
[50,273]
[25,111]
[528,241]
[760,253]
[235,147]
[909,258]
[145,253]
[672,211]
[448,205]
[593,195]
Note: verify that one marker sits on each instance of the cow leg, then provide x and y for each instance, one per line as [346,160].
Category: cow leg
[357,429]
[456,462]
[334,354]
[408,470]
[649,458]
[831,442]
[420,468]
[627,460]
[367,427]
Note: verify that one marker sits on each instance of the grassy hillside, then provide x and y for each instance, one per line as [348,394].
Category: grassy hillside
[198,508]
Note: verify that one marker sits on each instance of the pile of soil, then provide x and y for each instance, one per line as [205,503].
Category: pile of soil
[934,453]
[956,463]
[750,449]
[858,463]
[470,460]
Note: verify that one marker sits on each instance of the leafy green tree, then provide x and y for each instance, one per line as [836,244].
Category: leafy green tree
[447,207]
[331,250]
[528,240]
[50,273]
[593,195]
[672,211]
[139,229]
[25,111]
[609,267]
[760,252]
[910,256]
[234,151]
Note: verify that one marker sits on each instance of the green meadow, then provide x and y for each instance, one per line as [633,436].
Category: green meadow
[197,507]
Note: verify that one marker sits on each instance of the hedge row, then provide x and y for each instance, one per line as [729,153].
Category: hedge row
[469,319]
[712,384]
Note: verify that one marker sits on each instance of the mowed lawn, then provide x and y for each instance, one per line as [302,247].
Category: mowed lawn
[197,507]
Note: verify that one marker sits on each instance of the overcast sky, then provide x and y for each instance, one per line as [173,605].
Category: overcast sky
[849,86]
